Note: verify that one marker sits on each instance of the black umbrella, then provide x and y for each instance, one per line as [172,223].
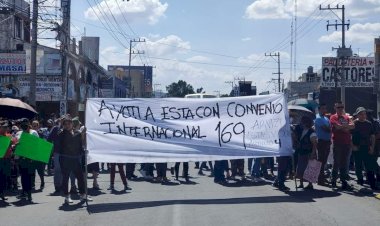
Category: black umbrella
[15,109]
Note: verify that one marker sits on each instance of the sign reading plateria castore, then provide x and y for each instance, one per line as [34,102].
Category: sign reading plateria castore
[357,71]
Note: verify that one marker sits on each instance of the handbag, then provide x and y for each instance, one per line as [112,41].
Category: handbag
[312,171]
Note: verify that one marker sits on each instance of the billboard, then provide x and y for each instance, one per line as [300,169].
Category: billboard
[357,71]
[12,63]
[139,80]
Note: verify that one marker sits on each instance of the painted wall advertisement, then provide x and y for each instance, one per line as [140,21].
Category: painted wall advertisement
[357,71]
[47,63]
[12,63]
[48,88]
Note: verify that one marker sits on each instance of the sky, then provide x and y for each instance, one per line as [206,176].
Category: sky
[211,43]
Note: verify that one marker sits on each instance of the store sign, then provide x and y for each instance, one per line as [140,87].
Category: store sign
[12,63]
[48,88]
[357,71]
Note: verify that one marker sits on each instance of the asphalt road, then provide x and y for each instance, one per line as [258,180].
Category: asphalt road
[199,203]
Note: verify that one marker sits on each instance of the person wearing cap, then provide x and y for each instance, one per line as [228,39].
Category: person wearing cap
[341,126]
[26,165]
[363,141]
[70,149]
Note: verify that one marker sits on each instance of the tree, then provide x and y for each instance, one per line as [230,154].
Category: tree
[179,89]
[200,90]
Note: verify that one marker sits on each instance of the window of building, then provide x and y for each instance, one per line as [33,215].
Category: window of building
[18,28]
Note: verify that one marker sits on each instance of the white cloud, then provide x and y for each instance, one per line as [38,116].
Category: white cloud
[254,59]
[142,10]
[362,33]
[168,45]
[267,9]
[251,59]
[202,59]
[283,9]
[246,39]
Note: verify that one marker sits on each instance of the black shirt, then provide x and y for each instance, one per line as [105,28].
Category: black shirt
[70,143]
[362,133]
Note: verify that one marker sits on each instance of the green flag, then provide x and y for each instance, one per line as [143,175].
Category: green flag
[34,148]
[4,145]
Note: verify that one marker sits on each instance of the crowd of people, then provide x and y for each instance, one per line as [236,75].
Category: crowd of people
[339,141]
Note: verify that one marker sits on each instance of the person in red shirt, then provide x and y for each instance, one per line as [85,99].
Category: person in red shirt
[341,126]
[5,161]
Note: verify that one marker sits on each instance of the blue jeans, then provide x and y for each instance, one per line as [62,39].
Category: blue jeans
[57,172]
[256,168]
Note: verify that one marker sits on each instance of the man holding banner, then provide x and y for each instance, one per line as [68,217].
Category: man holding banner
[70,149]
[182,130]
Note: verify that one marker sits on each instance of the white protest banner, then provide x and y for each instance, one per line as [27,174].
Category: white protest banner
[181,130]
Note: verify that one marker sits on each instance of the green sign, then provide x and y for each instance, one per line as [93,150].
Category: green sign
[34,148]
[4,145]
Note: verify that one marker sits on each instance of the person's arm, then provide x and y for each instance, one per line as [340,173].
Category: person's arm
[314,142]
[58,143]
[351,125]
[320,123]
[372,144]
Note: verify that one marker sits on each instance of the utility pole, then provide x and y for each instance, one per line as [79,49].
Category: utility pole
[342,52]
[64,38]
[33,55]
[232,86]
[377,74]
[278,67]
[130,59]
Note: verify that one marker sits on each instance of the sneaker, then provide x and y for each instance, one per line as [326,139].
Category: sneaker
[22,196]
[68,200]
[143,173]
[73,190]
[42,186]
[309,187]
[201,173]
[126,188]
[96,187]
[84,198]
[29,197]
[148,177]
[283,188]
[2,196]
[346,186]
[111,187]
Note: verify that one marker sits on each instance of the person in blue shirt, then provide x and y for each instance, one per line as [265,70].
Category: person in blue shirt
[323,130]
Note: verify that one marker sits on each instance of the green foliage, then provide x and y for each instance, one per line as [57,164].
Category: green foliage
[179,89]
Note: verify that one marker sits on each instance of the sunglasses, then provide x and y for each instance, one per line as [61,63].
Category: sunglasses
[340,107]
